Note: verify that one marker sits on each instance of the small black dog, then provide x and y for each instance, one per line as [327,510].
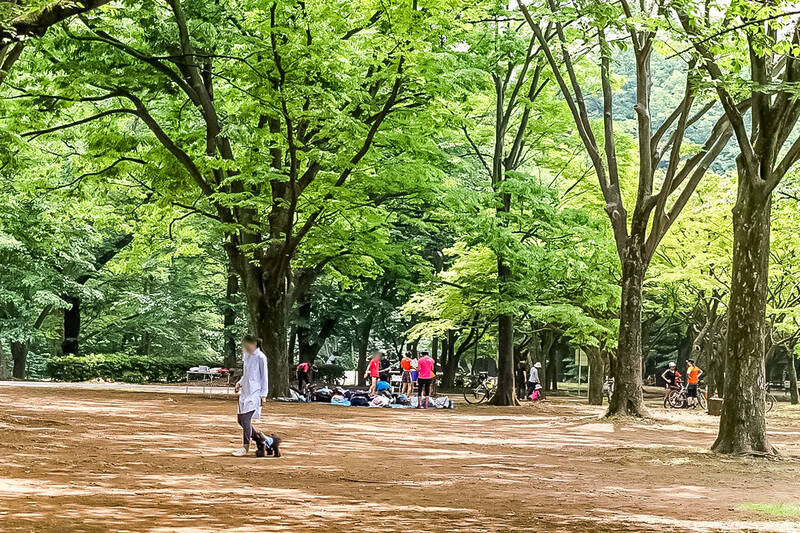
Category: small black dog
[263,450]
[261,445]
[275,448]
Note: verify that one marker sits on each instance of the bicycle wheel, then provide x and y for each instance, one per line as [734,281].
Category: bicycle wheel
[770,402]
[677,400]
[702,400]
[476,395]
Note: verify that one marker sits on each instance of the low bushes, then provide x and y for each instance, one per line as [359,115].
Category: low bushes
[329,373]
[123,367]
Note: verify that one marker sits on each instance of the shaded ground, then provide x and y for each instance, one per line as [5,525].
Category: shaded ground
[89,460]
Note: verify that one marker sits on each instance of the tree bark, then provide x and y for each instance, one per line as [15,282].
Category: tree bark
[3,363]
[230,347]
[596,375]
[742,428]
[19,352]
[505,394]
[72,314]
[792,368]
[72,325]
[627,398]
[363,333]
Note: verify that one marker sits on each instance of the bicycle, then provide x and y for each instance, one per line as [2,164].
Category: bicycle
[678,398]
[608,388]
[769,400]
[483,391]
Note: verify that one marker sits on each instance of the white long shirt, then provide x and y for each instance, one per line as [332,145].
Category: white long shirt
[534,377]
[254,383]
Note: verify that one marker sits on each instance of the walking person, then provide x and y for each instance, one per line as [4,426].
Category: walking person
[426,377]
[253,389]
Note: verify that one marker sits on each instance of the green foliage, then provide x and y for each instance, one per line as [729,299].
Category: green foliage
[123,367]
[329,372]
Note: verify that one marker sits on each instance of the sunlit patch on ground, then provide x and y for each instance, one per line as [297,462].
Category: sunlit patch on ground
[79,459]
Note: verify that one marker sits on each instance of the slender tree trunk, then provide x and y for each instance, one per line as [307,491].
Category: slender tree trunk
[743,428]
[792,368]
[363,334]
[19,352]
[230,349]
[72,325]
[3,363]
[627,399]
[505,365]
[596,375]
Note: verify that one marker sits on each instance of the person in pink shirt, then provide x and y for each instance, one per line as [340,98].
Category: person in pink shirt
[426,377]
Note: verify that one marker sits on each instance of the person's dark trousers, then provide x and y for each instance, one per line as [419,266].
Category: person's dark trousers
[248,432]
[521,388]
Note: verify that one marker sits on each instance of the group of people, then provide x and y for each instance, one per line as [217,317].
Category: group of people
[528,383]
[419,371]
[253,388]
[672,378]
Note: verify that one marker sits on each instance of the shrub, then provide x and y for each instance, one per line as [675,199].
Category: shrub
[123,367]
[330,373]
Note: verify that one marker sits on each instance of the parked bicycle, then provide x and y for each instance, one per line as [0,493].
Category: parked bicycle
[608,388]
[770,400]
[483,391]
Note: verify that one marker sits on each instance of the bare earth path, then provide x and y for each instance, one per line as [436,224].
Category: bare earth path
[106,460]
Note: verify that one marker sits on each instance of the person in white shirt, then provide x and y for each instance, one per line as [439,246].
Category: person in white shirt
[252,389]
[533,378]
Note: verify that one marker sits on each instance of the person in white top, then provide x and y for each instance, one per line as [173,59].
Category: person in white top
[533,379]
[252,389]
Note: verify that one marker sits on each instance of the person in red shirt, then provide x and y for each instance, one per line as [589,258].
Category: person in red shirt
[426,377]
[407,386]
[374,372]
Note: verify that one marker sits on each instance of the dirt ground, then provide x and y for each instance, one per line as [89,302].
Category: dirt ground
[83,460]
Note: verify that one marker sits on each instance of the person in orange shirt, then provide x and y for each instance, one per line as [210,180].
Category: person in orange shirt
[407,387]
[693,374]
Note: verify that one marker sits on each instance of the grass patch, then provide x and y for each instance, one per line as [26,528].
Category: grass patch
[779,510]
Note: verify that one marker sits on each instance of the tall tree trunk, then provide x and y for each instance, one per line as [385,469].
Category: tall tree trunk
[266,294]
[72,325]
[596,375]
[792,368]
[627,398]
[19,352]
[230,348]
[742,427]
[547,338]
[72,314]
[505,394]
[3,363]
[363,333]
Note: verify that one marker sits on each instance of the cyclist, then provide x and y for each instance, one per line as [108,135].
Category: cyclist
[672,377]
[693,374]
